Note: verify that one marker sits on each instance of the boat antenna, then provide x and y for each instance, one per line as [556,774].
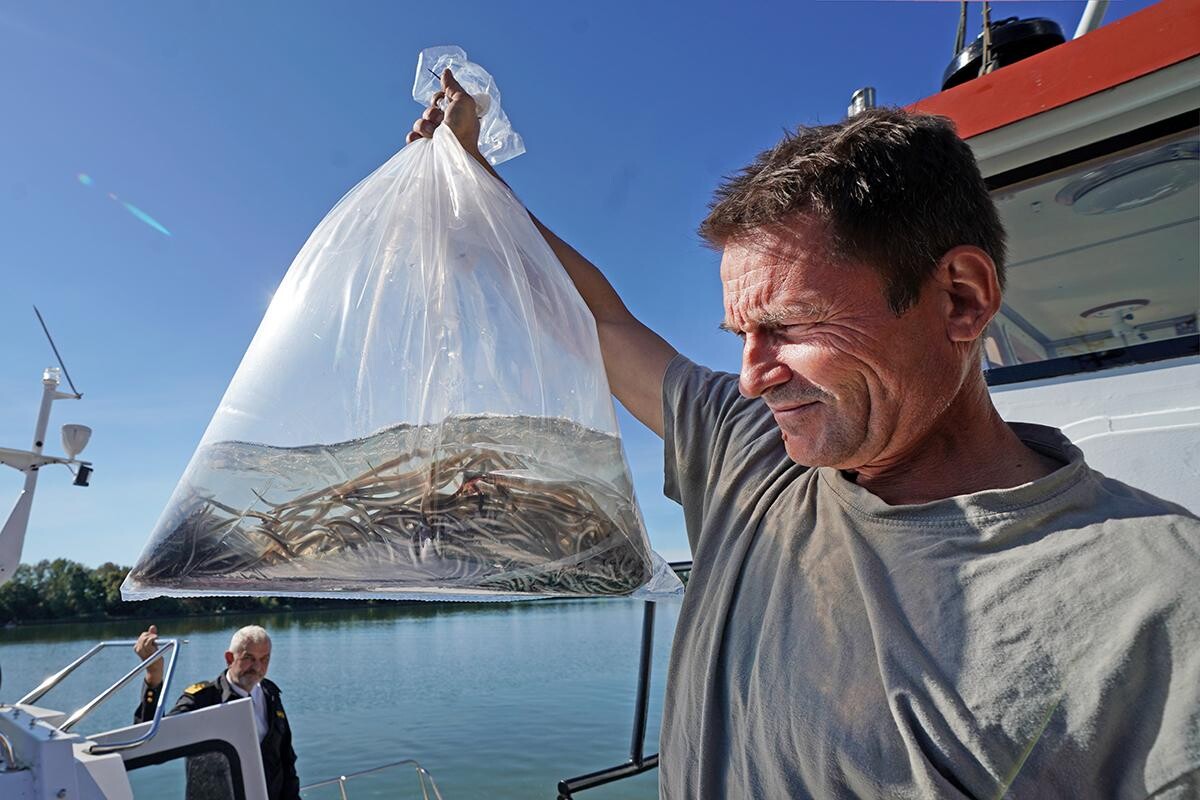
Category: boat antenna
[961,40]
[56,355]
[987,58]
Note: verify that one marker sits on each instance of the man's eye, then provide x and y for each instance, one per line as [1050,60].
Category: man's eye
[797,328]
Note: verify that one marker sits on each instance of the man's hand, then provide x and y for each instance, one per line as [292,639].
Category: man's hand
[146,646]
[460,115]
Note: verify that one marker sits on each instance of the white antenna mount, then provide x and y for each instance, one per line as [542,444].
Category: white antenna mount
[30,462]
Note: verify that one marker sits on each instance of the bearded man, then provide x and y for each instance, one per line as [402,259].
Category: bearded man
[245,675]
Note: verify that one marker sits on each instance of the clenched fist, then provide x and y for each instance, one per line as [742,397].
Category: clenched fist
[460,115]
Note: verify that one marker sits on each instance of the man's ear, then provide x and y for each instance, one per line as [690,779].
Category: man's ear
[967,277]
[228,658]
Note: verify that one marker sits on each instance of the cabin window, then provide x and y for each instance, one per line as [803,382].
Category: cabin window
[207,770]
[1104,260]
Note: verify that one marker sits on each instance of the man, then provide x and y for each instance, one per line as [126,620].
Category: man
[246,661]
[895,593]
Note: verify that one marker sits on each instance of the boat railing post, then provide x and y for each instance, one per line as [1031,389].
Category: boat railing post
[638,761]
[1093,15]
[637,745]
[10,758]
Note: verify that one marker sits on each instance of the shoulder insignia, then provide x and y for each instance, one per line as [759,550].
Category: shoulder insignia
[280,714]
[195,688]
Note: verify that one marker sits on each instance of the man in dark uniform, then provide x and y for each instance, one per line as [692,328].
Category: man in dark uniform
[246,660]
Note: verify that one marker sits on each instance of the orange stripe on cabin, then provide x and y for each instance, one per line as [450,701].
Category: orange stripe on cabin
[1149,40]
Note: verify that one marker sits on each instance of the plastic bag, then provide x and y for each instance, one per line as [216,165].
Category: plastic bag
[423,413]
[498,142]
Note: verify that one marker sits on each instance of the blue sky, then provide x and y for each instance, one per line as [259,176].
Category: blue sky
[217,135]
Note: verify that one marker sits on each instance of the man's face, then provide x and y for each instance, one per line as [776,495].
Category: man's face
[850,383]
[248,666]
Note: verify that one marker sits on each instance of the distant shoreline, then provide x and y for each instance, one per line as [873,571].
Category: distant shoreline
[330,605]
[64,592]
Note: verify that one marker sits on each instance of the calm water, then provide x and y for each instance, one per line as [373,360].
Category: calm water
[496,701]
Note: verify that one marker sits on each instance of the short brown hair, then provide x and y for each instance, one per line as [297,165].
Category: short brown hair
[899,190]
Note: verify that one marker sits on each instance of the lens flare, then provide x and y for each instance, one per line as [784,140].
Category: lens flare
[137,213]
[144,217]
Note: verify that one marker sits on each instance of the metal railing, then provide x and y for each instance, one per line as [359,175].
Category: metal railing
[166,646]
[10,759]
[341,780]
[638,761]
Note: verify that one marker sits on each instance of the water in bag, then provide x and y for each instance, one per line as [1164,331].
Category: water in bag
[422,413]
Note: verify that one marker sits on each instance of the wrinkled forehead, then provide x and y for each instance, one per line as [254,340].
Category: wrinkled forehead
[801,242]
[769,265]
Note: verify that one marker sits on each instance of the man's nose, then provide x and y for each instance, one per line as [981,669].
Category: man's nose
[761,367]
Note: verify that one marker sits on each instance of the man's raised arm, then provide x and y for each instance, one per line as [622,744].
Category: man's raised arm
[635,357]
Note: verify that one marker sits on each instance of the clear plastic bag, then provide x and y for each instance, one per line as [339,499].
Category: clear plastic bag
[423,413]
[498,142]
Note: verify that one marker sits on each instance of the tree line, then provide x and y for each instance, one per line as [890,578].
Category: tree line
[58,590]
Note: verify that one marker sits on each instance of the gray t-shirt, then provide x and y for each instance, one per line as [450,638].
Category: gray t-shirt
[1044,638]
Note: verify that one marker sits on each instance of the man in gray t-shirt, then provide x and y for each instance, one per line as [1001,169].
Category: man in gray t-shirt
[1037,639]
[895,593]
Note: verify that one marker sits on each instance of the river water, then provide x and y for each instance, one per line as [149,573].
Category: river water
[495,700]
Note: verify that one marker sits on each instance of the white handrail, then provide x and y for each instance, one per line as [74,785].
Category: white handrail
[342,780]
[166,646]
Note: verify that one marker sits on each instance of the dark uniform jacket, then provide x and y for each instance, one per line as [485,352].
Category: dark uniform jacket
[278,757]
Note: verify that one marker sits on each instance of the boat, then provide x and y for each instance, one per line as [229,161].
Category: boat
[1091,149]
